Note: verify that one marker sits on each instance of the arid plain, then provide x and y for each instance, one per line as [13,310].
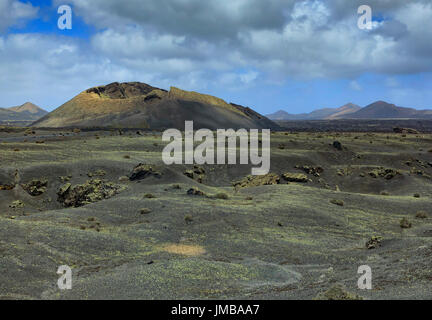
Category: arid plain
[81,198]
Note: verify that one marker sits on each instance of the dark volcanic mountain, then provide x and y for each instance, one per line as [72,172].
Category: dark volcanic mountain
[26,112]
[320,114]
[384,110]
[139,105]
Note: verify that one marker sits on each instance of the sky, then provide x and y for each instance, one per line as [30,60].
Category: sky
[293,55]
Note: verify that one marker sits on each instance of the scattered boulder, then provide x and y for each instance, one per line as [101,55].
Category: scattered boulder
[143,171]
[409,163]
[17,204]
[197,174]
[405,130]
[188,218]
[35,187]
[338,292]
[221,196]
[373,243]
[337,145]
[420,172]
[195,192]
[6,186]
[422,163]
[145,211]
[149,196]
[388,174]
[316,171]
[92,191]
[63,189]
[98,173]
[254,181]
[421,215]
[123,179]
[337,202]
[405,223]
[295,177]
[345,171]
[65,178]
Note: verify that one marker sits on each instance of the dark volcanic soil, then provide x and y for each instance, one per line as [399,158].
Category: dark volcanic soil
[347,125]
[152,238]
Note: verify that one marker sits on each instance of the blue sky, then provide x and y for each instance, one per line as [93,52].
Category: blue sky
[275,54]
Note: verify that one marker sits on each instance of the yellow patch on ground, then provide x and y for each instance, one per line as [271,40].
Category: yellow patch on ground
[183,249]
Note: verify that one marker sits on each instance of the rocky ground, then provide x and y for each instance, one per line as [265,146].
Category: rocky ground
[104,204]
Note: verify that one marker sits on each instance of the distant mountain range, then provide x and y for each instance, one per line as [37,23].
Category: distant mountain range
[139,105]
[376,110]
[26,112]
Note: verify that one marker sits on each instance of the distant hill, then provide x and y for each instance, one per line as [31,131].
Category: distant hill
[344,112]
[377,110]
[139,105]
[283,115]
[320,114]
[29,108]
[26,112]
[384,110]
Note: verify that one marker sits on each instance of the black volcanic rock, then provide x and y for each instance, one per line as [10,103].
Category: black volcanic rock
[125,90]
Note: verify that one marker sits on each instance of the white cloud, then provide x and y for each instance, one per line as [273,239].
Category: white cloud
[279,38]
[13,12]
[249,77]
[354,85]
[209,19]
[197,44]
[50,69]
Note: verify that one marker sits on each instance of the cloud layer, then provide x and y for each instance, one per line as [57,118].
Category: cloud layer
[199,44]
[13,12]
[304,39]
